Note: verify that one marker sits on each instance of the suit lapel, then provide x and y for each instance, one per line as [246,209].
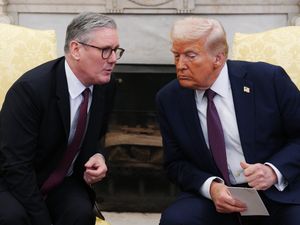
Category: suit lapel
[192,122]
[189,112]
[62,94]
[97,107]
[63,101]
[243,98]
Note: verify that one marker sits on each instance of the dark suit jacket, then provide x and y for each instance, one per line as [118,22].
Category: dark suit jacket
[268,120]
[34,130]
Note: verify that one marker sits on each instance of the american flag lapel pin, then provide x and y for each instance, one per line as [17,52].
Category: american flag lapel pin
[246,89]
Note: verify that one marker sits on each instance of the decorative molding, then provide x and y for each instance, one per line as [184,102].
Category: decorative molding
[295,20]
[185,6]
[150,6]
[4,17]
[170,7]
[113,6]
[150,2]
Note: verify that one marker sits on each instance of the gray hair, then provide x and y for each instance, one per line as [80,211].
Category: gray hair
[210,31]
[84,23]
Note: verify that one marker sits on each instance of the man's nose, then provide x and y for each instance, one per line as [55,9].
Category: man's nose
[181,63]
[112,58]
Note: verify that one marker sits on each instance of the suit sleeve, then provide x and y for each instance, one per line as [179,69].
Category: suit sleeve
[20,118]
[180,169]
[287,158]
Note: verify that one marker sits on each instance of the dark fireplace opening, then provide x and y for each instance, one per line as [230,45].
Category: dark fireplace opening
[136,180]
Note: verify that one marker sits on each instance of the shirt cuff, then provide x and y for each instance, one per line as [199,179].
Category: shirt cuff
[281,181]
[205,188]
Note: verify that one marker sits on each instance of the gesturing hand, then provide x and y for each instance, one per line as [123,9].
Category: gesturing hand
[259,176]
[95,169]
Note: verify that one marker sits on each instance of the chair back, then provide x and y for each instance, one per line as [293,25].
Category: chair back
[280,46]
[21,49]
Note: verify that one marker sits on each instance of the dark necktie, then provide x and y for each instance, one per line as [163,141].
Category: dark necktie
[57,176]
[216,136]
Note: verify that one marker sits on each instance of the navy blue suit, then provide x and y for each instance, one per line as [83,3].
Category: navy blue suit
[268,118]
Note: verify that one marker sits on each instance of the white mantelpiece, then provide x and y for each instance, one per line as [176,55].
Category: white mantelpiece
[144,24]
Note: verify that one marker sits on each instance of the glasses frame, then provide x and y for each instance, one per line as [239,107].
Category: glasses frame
[122,50]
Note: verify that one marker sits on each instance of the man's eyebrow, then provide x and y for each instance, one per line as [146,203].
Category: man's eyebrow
[106,46]
[185,52]
[174,51]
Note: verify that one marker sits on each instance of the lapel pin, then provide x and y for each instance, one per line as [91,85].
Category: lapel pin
[246,89]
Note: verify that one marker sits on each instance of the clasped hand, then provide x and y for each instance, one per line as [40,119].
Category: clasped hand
[95,169]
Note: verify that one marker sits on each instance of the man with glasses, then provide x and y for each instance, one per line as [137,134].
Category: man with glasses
[50,126]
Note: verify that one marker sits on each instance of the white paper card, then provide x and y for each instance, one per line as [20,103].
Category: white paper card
[255,206]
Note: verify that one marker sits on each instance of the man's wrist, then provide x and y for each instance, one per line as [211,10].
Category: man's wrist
[205,188]
[281,183]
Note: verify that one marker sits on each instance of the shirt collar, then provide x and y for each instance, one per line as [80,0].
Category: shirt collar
[75,87]
[221,85]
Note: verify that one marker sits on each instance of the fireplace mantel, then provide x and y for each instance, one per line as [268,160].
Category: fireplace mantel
[144,24]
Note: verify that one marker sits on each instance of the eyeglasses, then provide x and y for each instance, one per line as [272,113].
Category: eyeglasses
[106,52]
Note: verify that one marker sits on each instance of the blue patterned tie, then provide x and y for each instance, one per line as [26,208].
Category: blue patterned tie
[57,176]
[216,136]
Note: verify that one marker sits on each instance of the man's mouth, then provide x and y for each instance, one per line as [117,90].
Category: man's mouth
[183,77]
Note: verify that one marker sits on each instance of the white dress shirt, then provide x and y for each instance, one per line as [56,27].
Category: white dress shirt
[75,88]
[224,103]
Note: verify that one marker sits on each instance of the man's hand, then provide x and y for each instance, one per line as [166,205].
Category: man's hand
[223,200]
[259,176]
[95,169]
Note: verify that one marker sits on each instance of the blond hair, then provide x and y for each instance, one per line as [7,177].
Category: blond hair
[210,31]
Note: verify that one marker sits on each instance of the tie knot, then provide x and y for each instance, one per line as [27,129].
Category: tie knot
[86,92]
[210,94]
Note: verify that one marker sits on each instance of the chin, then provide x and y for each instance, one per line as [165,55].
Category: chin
[103,79]
[186,84]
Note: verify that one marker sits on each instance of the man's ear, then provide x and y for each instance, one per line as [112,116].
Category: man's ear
[74,50]
[219,59]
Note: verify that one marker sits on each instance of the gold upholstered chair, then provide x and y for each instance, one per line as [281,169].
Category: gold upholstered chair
[101,222]
[22,49]
[280,46]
